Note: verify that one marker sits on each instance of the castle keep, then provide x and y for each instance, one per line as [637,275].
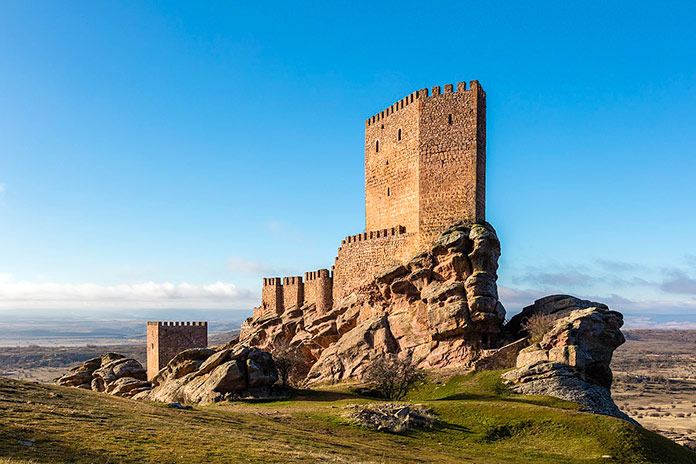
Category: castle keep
[425,168]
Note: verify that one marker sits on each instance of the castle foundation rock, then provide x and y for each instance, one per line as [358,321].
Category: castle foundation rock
[439,308]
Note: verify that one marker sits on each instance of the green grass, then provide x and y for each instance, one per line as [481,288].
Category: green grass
[480,422]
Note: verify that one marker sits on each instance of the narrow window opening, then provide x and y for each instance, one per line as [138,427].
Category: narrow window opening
[449,119]
[398,137]
[376,146]
[387,162]
[388,191]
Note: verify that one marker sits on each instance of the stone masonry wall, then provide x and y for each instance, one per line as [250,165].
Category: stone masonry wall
[167,339]
[293,292]
[391,167]
[272,295]
[319,289]
[452,166]
[361,257]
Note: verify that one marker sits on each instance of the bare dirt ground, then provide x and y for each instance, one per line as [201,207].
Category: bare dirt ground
[655,381]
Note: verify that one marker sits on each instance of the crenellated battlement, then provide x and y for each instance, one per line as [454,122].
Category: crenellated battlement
[294,280]
[177,323]
[420,95]
[374,234]
[281,294]
[404,102]
[320,274]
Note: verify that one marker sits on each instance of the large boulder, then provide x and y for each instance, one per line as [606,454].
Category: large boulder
[571,359]
[119,368]
[440,309]
[205,376]
[198,375]
[111,373]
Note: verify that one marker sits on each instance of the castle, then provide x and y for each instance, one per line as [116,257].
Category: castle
[425,169]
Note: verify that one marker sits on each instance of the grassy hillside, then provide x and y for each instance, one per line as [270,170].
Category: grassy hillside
[480,422]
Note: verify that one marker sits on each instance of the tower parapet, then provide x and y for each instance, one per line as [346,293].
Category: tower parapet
[293,292]
[319,289]
[272,295]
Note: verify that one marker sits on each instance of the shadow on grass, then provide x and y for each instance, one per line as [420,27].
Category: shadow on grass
[442,426]
[437,427]
[519,399]
[320,395]
[303,395]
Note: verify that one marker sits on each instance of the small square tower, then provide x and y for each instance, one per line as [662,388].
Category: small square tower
[167,339]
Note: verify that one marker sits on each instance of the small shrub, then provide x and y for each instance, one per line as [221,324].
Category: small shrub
[537,325]
[392,377]
[288,360]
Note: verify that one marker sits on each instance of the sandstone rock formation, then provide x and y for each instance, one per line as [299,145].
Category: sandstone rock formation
[111,373]
[203,375]
[440,308]
[571,361]
[200,375]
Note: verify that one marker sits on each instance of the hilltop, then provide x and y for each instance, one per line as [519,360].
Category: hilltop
[481,421]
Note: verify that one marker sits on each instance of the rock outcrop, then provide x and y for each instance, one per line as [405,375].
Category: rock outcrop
[392,417]
[440,309]
[571,360]
[111,373]
[200,375]
[203,375]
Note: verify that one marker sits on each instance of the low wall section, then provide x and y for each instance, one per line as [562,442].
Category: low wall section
[361,257]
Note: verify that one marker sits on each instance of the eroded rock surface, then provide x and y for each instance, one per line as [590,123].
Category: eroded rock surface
[199,375]
[440,309]
[571,361]
[111,373]
[203,375]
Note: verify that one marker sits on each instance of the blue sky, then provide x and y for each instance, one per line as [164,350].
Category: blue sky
[170,154]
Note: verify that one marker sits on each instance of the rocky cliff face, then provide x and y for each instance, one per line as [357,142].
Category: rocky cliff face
[441,309]
[571,360]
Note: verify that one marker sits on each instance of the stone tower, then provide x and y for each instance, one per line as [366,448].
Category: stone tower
[425,162]
[425,169]
[167,339]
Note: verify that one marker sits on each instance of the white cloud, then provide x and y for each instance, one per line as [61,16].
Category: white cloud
[45,295]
